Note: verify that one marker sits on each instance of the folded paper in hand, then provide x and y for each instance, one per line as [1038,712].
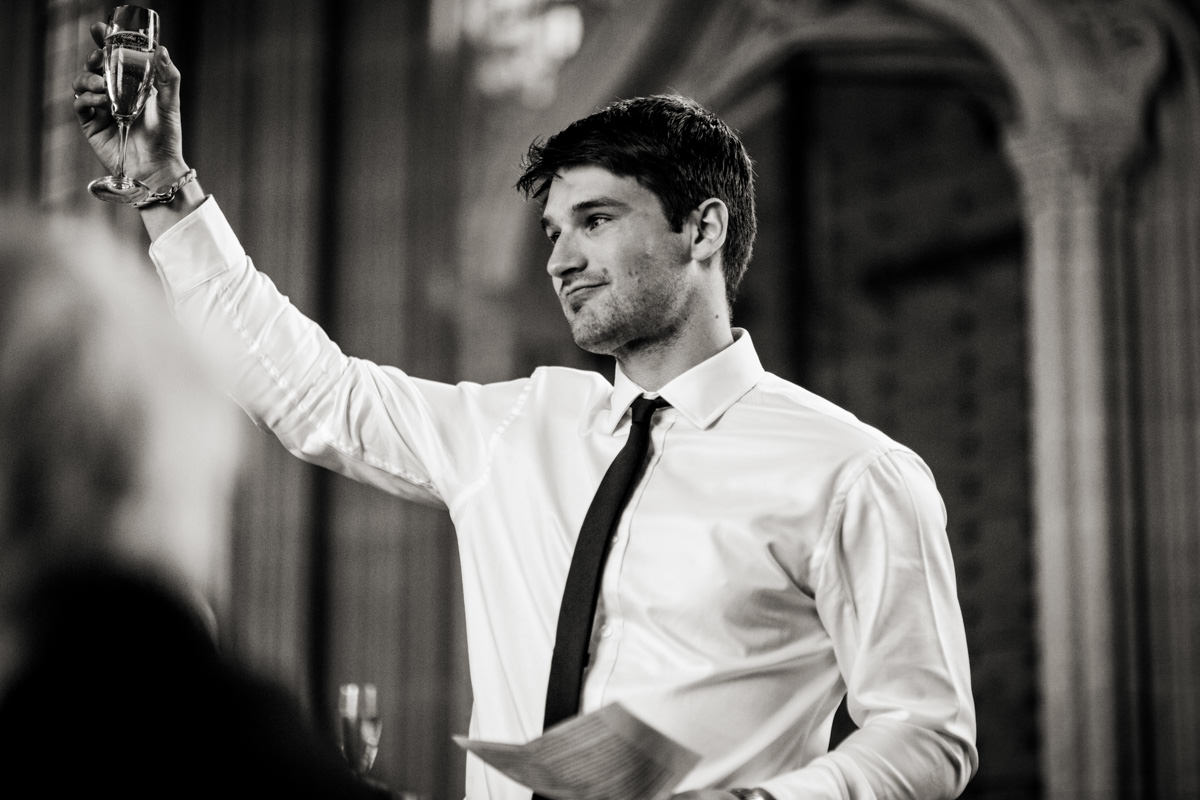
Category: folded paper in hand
[608,754]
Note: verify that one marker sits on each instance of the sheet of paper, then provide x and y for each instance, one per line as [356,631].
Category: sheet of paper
[608,754]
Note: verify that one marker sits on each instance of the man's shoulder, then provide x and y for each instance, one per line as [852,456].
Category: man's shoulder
[570,380]
[547,391]
[813,416]
[560,381]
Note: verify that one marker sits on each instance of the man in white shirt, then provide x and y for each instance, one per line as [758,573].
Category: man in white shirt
[775,552]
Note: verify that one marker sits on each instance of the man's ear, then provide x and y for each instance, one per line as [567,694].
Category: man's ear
[711,219]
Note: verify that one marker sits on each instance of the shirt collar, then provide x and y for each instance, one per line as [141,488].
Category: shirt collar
[703,393]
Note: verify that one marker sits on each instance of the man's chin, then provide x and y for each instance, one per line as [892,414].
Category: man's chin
[591,340]
[597,348]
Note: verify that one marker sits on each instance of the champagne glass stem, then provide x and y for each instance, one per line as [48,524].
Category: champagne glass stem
[123,135]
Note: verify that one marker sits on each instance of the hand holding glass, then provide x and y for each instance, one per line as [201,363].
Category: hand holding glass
[130,39]
[359,725]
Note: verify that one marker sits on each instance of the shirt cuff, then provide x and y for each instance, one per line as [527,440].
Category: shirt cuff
[196,249]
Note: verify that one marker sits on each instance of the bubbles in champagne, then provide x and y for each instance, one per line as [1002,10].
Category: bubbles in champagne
[128,58]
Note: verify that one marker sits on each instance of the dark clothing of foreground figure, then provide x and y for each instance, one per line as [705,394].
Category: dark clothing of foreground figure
[124,694]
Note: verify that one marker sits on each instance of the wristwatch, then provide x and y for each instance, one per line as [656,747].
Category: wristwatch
[752,794]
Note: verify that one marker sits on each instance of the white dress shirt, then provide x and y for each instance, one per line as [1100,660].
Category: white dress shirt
[776,552]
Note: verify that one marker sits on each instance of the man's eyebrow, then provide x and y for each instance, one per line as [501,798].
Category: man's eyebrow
[588,205]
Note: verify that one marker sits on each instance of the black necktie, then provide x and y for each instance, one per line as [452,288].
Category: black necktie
[583,579]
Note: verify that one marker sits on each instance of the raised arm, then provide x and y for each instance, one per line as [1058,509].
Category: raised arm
[370,422]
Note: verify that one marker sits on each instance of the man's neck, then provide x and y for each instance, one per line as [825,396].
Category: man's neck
[654,366]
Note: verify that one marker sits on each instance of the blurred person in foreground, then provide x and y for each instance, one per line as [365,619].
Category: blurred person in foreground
[775,554]
[118,463]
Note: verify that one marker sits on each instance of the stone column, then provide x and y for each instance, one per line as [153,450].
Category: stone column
[1083,80]
[1065,174]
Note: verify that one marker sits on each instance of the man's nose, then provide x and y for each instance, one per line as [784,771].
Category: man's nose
[566,257]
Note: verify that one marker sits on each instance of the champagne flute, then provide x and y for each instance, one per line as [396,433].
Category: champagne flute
[359,725]
[130,39]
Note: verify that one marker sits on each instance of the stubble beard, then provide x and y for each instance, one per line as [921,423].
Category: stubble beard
[595,333]
[619,319]
[603,327]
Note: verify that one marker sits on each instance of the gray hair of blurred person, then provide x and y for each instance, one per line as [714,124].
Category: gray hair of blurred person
[114,446]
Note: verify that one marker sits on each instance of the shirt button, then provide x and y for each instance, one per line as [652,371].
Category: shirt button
[605,631]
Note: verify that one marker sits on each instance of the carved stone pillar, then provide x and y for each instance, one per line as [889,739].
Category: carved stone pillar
[1065,175]
[1163,394]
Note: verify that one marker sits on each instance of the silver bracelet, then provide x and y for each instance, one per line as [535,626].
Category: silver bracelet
[167,194]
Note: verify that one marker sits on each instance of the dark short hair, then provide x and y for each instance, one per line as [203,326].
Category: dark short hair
[674,147]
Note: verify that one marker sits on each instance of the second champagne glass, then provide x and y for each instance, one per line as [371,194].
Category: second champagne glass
[130,39]
[359,725]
